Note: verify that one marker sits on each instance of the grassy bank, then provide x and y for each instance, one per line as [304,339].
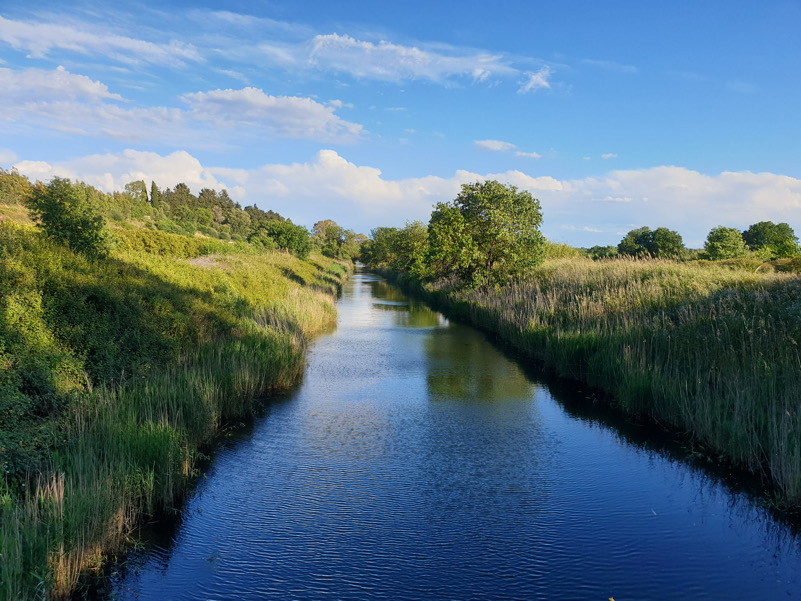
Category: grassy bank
[708,348]
[115,374]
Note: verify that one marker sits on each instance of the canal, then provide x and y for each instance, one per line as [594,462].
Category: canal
[417,461]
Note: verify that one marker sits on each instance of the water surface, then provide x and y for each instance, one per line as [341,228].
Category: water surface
[416,461]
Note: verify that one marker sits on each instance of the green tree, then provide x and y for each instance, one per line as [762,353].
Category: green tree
[773,240]
[725,243]
[636,243]
[328,237]
[666,243]
[643,242]
[488,234]
[286,235]
[15,189]
[65,213]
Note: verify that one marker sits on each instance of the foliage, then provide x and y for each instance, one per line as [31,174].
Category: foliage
[725,243]
[66,215]
[708,348]
[335,241]
[285,235]
[15,189]
[772,240]
[661,243]
[115,371]
[487,235]
[559,250]
[601,252]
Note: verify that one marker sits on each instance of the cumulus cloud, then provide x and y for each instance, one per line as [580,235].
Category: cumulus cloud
[531,155]
[588,211]
[75,104]
[39,39]
[536,81]
[609,155]
[495,145]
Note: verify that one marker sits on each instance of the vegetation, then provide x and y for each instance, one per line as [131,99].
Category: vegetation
[119,367]
[487,235]
[708,347]
[771,240]
[725,243]
[643,242]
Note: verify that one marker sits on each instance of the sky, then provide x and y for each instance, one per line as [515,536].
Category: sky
[614,114]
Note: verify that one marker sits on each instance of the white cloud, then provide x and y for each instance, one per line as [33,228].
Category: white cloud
[39,85]
[495,145]
[288,116]
[69,103]
[360,197]
[536,81]
[609,155]
[39,39]
[531,155]
[385,61]
[7,156]
[610,66]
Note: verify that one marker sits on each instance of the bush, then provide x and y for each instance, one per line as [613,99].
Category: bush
[66,215]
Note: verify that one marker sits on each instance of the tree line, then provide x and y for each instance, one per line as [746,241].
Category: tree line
[76,214]
[764,240]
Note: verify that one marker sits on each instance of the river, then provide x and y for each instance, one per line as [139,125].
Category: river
[417,461]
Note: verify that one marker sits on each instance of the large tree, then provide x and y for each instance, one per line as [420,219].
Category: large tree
[660,242]
[725,243]
[487,235]
[774,240]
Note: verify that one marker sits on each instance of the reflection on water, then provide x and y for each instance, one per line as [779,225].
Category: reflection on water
[416,461]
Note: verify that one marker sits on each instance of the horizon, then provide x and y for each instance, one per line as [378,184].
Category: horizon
[614,117]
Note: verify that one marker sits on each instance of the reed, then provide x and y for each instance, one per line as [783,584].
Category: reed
[142,358]
[711,350]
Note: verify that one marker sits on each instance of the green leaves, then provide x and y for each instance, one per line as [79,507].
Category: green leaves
[487,235]
[66,215]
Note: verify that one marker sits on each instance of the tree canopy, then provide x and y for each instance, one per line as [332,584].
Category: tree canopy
[65,214]
[772,240]
[725,243]
[660,242]
[488,234]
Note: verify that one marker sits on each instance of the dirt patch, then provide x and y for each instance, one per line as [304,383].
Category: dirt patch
[209,261]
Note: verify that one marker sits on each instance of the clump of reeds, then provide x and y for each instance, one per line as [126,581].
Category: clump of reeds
[204,342]
[711,350]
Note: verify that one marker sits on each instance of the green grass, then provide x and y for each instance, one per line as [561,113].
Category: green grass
[117,372]
[711,349]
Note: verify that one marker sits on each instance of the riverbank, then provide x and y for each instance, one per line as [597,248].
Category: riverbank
[708,349]
[117,372]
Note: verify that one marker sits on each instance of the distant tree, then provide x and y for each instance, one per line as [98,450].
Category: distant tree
[155,195]
[66,215]
[666,243]
[137,191]
[328,237]
[488,234]
[601,252]
[725,243]
[15,189]
[660,242]
[286,235]
[772,240]
[636,243]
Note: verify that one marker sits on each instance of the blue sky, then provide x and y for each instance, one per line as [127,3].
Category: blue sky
[614,115]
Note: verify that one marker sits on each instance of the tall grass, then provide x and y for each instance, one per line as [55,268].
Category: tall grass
[712,350]
[142,357]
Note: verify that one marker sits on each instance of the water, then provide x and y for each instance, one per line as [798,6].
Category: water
[416,461]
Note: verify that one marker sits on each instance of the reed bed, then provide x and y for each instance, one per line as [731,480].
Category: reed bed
[709,349]
[136,402]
